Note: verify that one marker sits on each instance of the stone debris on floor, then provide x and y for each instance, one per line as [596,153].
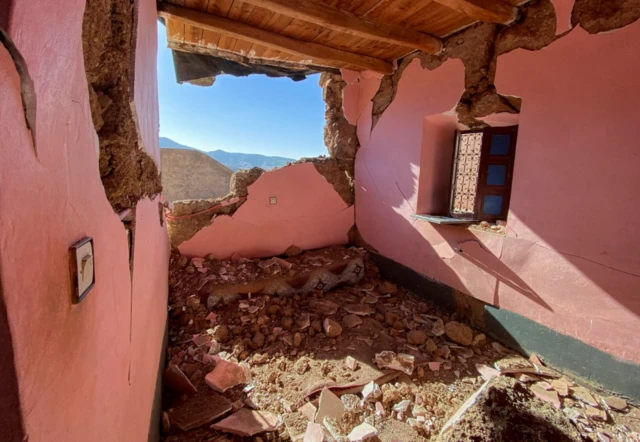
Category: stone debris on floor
[317,348]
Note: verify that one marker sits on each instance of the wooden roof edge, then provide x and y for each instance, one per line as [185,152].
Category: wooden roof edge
[336,19]
[237,29]
[491,11]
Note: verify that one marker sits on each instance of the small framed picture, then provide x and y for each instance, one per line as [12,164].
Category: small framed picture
[82,268]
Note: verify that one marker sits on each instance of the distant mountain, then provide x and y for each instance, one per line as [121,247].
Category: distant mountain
[234,160]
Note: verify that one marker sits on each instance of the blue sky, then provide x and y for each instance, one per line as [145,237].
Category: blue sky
[255,114]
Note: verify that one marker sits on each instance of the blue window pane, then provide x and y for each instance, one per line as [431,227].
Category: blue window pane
[500,144]
[492,205]
[496,175]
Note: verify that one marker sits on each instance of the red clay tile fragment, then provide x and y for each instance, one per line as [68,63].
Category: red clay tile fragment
[247,422]
[615,402]
[176,380]
[487,372]
[549,396]
[582,394]
[226,375]
[199,410]
[308,410]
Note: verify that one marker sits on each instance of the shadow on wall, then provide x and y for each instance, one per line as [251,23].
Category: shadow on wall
[569,258]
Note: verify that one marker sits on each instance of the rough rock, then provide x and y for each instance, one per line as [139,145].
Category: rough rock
[401,362]
[459,333]
[351,321]
[331,328]
[416,337]
[615,402]
[324,306]
[359,309]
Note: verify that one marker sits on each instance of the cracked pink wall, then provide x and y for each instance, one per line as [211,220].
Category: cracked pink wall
[86,372]
[570,257]
[308,214]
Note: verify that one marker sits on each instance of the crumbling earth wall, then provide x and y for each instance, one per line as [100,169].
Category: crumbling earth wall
[560,262]
[108,38]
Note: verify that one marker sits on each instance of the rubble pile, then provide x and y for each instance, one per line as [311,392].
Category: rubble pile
[361,361]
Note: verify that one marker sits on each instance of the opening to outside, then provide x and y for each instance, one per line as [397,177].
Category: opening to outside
[215,127]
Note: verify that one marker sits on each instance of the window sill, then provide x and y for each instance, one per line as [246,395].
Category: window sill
[435,219]
[500,228]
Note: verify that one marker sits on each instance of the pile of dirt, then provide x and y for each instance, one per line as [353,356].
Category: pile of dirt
[365,360]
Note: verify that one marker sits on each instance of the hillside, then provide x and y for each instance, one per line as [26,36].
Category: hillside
[234,160]
[191,174]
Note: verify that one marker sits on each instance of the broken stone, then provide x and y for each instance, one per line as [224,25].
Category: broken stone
[351,363]
[550,396]
[359,309]
[387,288]
[308,410]
[479,340]
[514,364]
[525,377]
[615,402]
[438,328]
[362,432]
[199,410]
[499,348]
[380,411]
[596,414]
[258,339]
[430,346]
[401,362]
[416,337]
[434,366]
[371,392]
[329,405]
[226,375]
[351,402]
[402,406]
[560,387]
[331,328]
[247,422]
[314,433]
[221,333]
[459,333]
[324,306]
[176,380]
[352,321]
[583,395]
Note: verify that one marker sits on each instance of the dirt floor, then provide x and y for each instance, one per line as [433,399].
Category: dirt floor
[285,356]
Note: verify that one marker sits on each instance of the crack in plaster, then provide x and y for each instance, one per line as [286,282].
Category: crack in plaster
[27,89]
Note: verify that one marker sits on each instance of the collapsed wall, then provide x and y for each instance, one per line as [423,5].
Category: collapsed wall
[317,200]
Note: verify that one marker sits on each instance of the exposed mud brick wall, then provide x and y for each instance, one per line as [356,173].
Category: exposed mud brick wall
[339,135]
[127,171]
[566,260]
[191,174]
[85,372]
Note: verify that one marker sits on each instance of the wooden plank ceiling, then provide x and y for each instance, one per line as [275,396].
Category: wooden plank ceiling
[352,34]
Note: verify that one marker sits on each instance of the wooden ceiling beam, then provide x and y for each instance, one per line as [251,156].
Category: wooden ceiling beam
[314,11]
[492,11]
[270,39]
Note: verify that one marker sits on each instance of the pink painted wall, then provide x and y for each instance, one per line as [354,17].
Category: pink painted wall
[570,258]
[308,214]
[86,372]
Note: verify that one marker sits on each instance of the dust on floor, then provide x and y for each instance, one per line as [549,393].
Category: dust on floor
[367,360]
